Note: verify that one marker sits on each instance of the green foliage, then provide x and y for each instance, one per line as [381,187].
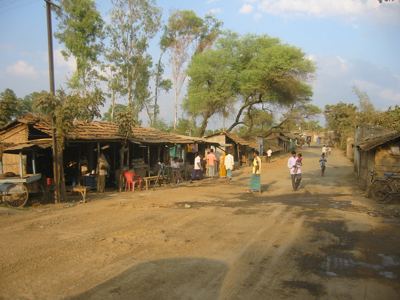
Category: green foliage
[126,122]
[186,33]
[342,119]
[186,127]
[117,109]
[133,24]
[162,125]
[80,29]
[250,71]
[390,119]
[209,91]
[65,108]
[8,106]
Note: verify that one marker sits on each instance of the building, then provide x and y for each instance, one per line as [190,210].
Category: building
[86,141]
[379,153]
[240,148]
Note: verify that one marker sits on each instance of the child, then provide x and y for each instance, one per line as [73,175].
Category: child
[299,162]
[322,163]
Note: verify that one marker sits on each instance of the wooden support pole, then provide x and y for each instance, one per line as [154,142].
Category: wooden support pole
[20,166]
[34,162]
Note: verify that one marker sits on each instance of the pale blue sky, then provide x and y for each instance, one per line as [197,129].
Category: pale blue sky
[353,42]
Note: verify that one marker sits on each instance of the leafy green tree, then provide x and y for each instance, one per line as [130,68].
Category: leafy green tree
[133,23]
[8,106]
[63,109]
[247,72]
[112,111]
[80,29]
[208,91]
[185,34]
[269,73]
[390,119]
[341,118]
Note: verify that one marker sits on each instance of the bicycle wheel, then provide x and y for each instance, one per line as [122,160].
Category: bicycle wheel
[380,191]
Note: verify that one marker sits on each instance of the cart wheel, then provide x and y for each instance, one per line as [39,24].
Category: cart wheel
[380,192]
[17,195]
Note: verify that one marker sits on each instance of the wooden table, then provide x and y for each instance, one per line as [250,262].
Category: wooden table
[81,190]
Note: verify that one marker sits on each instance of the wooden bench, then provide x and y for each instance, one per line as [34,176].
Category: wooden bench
[148,180]
[81,190]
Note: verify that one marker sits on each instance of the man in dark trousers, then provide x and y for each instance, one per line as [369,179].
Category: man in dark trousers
[295,171]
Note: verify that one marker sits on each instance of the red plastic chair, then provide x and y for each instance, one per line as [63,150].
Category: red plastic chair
[131,179]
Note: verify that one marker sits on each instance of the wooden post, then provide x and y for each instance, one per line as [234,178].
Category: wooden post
[34,162]
[238,152]
[20,165]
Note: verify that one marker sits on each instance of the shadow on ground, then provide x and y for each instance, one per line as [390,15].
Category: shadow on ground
[178,278]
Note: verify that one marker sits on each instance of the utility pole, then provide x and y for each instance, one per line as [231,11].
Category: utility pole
[57,193]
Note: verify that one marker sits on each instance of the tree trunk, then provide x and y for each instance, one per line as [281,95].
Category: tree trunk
[112,105]
[204,124]
[156,88]
[246,104]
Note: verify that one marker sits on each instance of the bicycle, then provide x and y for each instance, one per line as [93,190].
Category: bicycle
[384,189]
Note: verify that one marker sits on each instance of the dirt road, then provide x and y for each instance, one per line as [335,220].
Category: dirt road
[209,240]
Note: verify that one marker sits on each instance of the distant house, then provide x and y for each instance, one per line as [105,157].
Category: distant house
[378,153]
[281,141]
[240,148]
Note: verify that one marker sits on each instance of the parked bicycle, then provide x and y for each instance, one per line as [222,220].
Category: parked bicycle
[384,189]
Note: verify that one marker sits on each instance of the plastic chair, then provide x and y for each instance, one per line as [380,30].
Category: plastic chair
[130,180]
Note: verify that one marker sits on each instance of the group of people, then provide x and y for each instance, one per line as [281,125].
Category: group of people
[295,163]
[226,165]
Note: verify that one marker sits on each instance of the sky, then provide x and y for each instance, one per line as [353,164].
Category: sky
[352,42]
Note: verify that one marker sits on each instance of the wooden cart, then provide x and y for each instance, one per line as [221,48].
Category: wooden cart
[15,190]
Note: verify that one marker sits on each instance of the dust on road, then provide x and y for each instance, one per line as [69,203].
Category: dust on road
[209,240]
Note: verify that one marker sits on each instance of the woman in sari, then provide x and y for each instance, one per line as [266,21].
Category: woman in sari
[255,182]
[222,169]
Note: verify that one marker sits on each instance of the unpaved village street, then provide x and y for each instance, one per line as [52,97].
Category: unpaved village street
[209,240]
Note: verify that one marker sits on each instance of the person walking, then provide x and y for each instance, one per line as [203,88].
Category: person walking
[324,150]
[255,180]
[102,173]
[295,171]
[211,163]
[197,172]
[322,163]
[229,164]
[222,169]
[269,155]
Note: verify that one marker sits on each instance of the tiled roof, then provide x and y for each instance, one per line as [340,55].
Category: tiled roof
[101,130]
[373,142]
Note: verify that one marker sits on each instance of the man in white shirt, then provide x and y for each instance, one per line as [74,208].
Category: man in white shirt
[197,173]
[324,150]
[295,171]
[269,154]
[229,163]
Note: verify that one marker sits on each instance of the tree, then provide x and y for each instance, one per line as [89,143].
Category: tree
[341,118]
[80,29]
[390,119]
[269,73]
[63,109]
[248,72]
[133,23]
[159,84]
[8,106]
[112,112]
[209,91]
[185,34]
